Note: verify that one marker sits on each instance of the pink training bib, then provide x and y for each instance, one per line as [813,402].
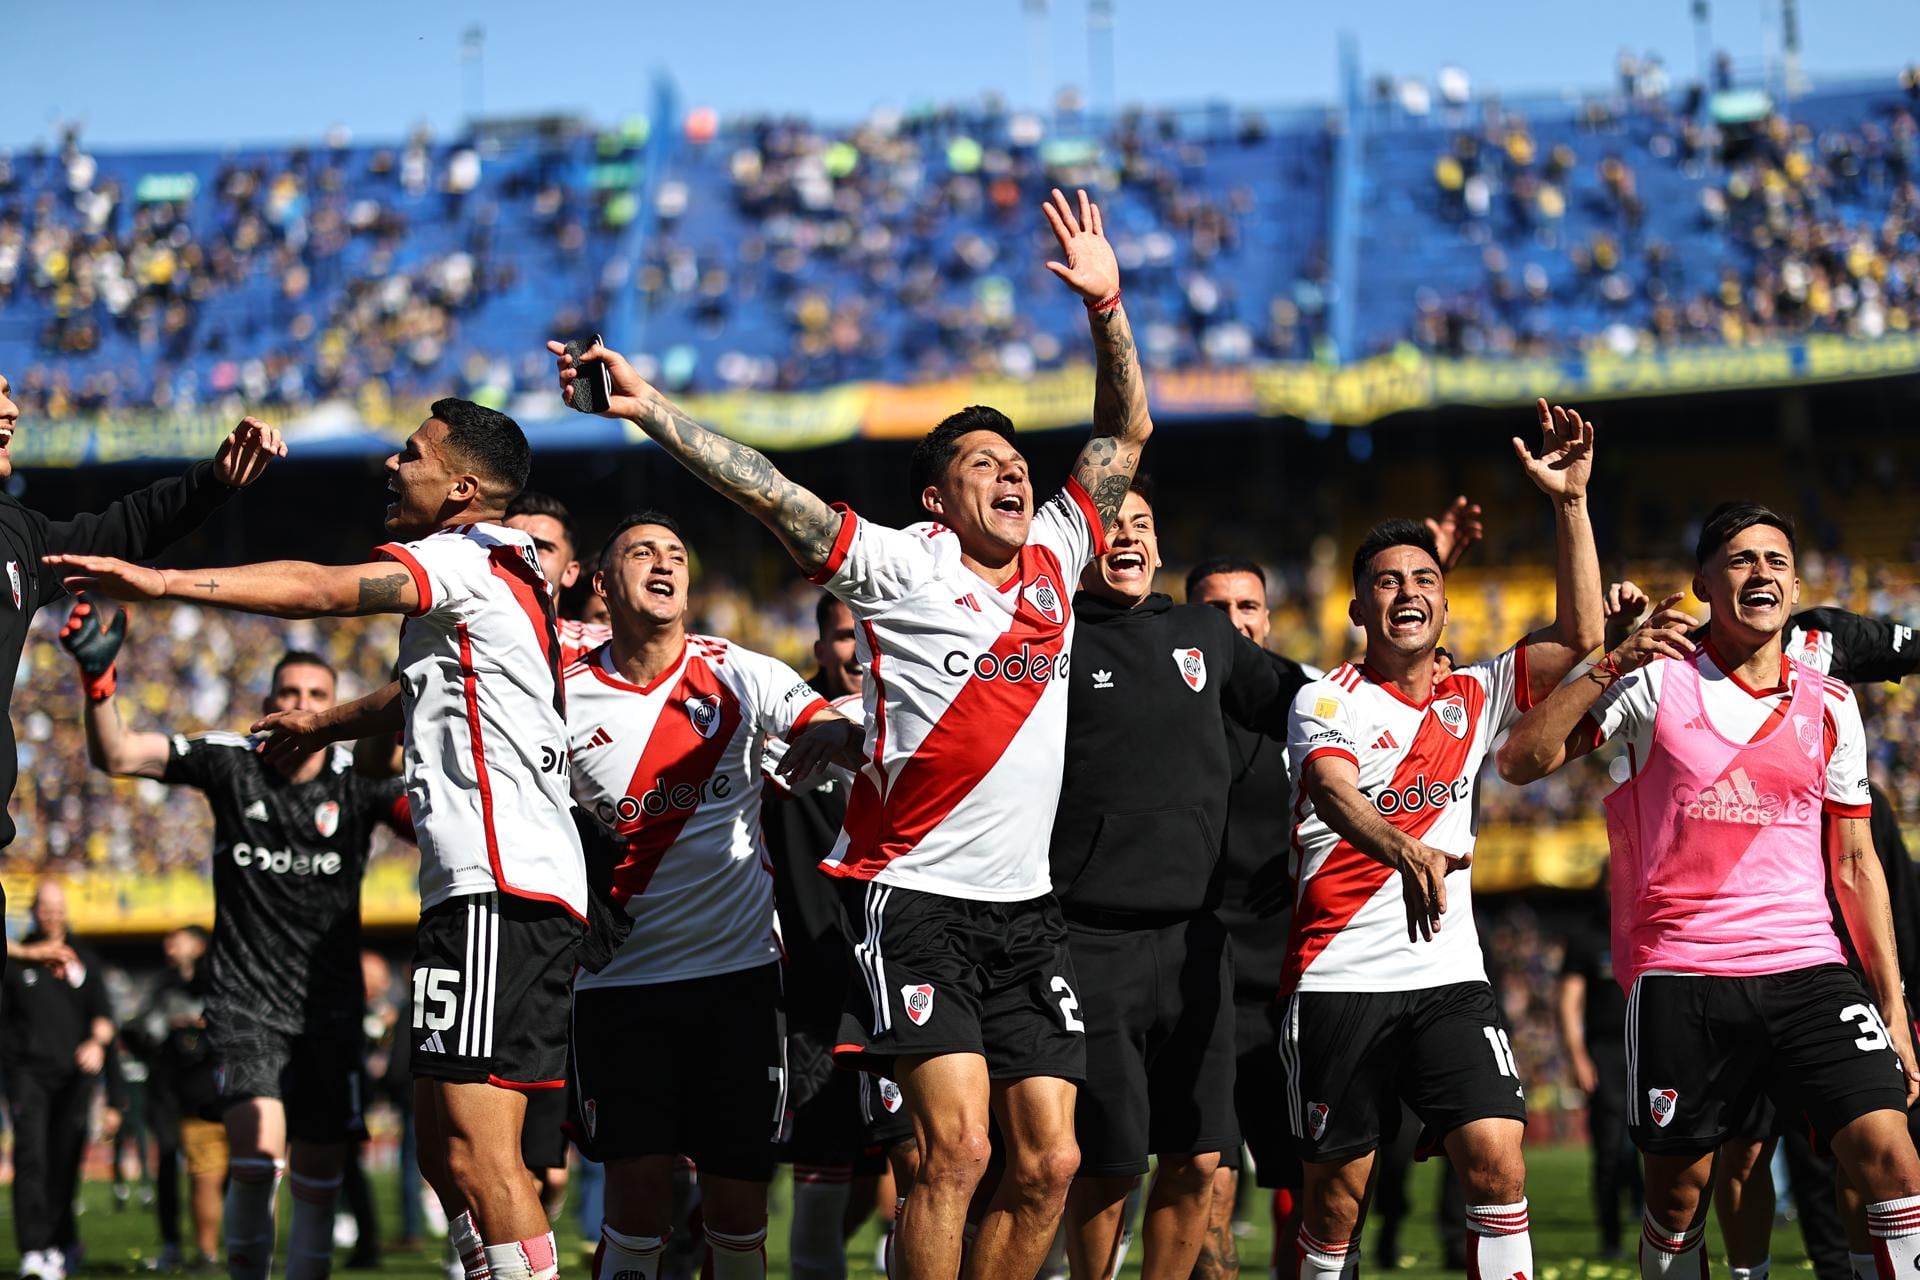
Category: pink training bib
[1718,864]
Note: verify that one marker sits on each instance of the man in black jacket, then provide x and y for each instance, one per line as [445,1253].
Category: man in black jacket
[1135,850]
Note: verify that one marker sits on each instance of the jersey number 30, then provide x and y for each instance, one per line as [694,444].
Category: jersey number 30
[433,998]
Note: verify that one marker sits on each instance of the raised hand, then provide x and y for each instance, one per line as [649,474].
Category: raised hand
[633,397]
[245,453]
[1566,452]
[93,633]
[109,577]
[1455,531]
[1667,634]
[1090,267]
[1625,605]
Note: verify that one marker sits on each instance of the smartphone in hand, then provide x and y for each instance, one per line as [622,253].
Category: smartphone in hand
[593,389]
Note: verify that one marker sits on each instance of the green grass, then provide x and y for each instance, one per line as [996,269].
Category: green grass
[119,1242]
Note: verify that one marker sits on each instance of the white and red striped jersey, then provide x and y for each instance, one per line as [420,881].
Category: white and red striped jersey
[486,747]
[1419,766]
[578,638]
[674,767]
[966,702]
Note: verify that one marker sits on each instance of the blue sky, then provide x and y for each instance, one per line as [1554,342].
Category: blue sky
[208,72]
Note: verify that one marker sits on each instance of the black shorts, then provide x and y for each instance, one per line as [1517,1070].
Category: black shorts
[316,1075]
[1351,1057]
[1259,1098]
[543,1134]
[693,1067]
[1159,1015]
[1703,1052]
[954,975]
[491,976]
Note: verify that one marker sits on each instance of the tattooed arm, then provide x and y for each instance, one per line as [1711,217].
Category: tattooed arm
[1121,422]
[805,525]
[279,588]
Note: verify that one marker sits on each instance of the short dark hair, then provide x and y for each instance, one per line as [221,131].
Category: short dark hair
[1142,484]
[638,518]
[1223,564]
[1397,532]
[935,451]
[823,611]
[194,931]
[532,502]
[299,658]
[1730,519]
[489,440]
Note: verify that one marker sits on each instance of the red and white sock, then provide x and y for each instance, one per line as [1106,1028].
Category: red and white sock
[534,1258]
[1895,1228]
[735,1257]
[1666,1256]
[1322,1260]
[1498,1244]
[620,1253]
[464,1237]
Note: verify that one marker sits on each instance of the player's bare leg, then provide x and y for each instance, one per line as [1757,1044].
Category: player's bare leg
[734,1212]
[479,1133]
[1675,1228]
[1096,1210]
[1175,1225]
[257,1143]
[1036,1119]
[1743,1201]
[1219,1252]
[947,1097]
[1877,1157]
[1493,1174]
[638,1217]
[1332,1199]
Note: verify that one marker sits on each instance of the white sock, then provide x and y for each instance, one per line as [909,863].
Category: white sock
[1127,1212]
[886,1240]
[1862,1266]
[621,1253]
[1498,1243]
[252,1182]
[534,1258]
[1325,1260]
[310,1237]
[1895,1228]
[1664,1255]
[1757,1272]
[816,1244]
[464,1237]
[737,1257]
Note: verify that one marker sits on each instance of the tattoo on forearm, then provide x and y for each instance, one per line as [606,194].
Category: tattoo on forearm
[744,474]
[1120,417]
[210,586]
[382,592]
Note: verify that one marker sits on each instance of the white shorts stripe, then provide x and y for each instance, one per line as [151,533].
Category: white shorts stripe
[1633,1051]
[872,967]
[470,978]
[1290,1062]
[493,983]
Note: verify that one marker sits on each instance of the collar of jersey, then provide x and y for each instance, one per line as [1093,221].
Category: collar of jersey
[1440,688]
[1721,665]
[608,675]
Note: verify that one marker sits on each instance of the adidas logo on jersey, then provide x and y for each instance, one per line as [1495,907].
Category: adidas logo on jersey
[1103,679]
[1385,742]
[967,601]
[257,811]
[600,738]
[1732,799]
[433,1044]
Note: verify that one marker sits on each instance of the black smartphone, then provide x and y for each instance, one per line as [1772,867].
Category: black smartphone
[593,389]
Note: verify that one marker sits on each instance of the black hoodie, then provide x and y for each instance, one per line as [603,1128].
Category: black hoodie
[1143,797]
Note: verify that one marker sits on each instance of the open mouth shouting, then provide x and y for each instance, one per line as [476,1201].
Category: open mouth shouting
[1407,620]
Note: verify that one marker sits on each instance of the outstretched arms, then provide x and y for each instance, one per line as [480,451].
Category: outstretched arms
[1121,422]
[278,588]
[805,525]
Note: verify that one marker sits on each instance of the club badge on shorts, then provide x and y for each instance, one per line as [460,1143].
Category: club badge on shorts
[1661,1104]
[705,714]
[918,1001]
[1193,667]
[590,1112]
[326,818]
[889,1096]
[1452,712]
[1316,1120]
[13,580]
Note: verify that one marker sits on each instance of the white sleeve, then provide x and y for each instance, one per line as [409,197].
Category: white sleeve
[872,566]
[1847,766]
[783,703]
[1068,525]
[1321,723]
[1508,694]
[1629,705]
[444,570]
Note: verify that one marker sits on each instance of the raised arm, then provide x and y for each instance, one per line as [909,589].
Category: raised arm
[378,716]
[805,525]
[1561,472]
[1121,423]
[278,588]
[1860,887]
[93,634]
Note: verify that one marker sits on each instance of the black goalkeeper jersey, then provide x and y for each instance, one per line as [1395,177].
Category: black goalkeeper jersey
[287,863]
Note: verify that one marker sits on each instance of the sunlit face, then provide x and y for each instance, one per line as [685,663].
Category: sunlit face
[1124,574]
[1751,584]
[1402,602]
[422,478]
[834,651]
[551,546]
[986,497]
[9,422]
[50,909]
[1242,597]
[301,686]
[644,578]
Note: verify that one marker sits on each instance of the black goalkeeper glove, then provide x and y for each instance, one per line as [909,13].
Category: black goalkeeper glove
[93,635]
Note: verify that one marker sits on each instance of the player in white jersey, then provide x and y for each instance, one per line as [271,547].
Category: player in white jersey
[1387,995]
[966,628]
[503,890]
[668,731]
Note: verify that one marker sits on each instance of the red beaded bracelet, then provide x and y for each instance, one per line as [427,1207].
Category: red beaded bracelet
[1105,304]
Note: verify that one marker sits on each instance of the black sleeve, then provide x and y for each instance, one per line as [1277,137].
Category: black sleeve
[93,993]
[1258,695]
[137,527]
[202,760]
[381,798]
[1864,649]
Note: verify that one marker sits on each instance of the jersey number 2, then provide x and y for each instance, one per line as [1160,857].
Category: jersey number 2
[1069,1006]
[433,987]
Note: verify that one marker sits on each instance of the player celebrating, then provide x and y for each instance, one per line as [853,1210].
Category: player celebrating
[966,627]
[556,542]
[290,843]
[1746,767]
[503,889]
[667,731]
[1388,994]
